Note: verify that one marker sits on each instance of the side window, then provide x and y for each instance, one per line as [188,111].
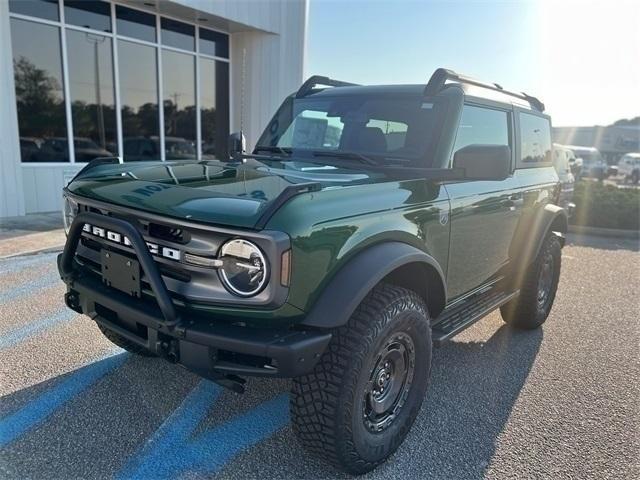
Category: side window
[535,141]
[482,126]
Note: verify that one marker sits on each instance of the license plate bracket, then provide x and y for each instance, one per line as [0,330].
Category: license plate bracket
[121,272]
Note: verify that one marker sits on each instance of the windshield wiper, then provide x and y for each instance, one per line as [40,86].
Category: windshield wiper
[348,155]
[273,149]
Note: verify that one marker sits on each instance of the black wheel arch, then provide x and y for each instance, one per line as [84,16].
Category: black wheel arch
[394,262]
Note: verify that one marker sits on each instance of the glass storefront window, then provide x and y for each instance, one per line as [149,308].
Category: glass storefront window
[139,99]
[91,30]
[214,43]
[88,14]
[178,82]
[91,90]
[47,9]
[178,34]
[37,67]
[214,108]
[135,24]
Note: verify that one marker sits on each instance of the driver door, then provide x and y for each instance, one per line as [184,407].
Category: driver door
[484,214]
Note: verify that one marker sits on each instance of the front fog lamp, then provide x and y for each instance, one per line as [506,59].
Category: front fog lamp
[244,270]
[69,212]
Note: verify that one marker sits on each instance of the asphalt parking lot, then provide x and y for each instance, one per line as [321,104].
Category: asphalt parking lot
[560,402]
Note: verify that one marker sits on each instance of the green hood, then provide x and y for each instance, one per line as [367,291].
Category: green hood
[209,192]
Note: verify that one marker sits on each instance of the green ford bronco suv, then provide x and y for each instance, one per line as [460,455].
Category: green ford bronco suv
[368,223]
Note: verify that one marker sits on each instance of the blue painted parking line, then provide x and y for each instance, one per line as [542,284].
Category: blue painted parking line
[43,281]
[16,264]
[38,409]
[33,328]
[175,450]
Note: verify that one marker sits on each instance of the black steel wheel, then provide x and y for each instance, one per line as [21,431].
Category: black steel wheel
[390,382]
[531,308]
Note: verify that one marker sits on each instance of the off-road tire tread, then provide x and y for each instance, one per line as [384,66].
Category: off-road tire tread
[125,344]
[522,312]
[314,399]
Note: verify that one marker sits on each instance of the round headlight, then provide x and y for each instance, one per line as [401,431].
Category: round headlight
[69,212]
[244,269]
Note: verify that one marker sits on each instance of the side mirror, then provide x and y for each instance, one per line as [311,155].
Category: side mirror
[237,144]
[484,162]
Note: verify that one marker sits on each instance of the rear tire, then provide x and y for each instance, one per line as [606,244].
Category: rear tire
[125,344]
[341,411]
[531,308]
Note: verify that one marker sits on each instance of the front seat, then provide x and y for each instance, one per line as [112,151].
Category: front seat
[367,139]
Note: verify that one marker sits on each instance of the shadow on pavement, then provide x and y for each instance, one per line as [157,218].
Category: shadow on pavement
[473,389]
[96,431]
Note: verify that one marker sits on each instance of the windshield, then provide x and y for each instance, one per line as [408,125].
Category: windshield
[398,127]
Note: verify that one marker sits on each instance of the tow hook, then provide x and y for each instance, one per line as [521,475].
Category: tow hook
[168,350]
[72,301]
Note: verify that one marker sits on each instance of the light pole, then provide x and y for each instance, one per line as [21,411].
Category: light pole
[96,40]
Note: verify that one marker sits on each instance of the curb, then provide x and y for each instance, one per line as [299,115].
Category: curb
[604,232]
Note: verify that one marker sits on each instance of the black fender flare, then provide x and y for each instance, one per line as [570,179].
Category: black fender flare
[360,274]
[554,219]
[551,218]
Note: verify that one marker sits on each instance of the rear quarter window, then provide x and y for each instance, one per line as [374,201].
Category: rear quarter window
[535,141]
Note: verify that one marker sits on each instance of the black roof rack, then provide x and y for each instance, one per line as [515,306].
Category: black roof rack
[311,83]
[441,75]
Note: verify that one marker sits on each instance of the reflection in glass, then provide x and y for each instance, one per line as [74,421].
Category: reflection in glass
[214,43]
[178,83]
[178,34]
[47,9]
[88,14]
[139,98]
[37,68]
[214,101]
[135,24]
[92,95]
[482,126]
[535,139]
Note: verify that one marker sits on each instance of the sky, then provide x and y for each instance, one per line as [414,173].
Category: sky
[582,59]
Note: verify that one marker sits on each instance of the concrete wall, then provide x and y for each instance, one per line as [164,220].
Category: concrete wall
[271,33]
[11,195]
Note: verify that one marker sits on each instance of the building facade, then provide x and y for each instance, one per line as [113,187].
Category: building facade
[142,80]
[612,141]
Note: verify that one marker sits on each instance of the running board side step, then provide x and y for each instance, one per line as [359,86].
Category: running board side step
[453,321]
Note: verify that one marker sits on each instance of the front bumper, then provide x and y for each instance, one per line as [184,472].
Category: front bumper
[211,348]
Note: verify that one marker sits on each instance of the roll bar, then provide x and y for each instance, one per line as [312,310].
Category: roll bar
[315,80]
[441,75]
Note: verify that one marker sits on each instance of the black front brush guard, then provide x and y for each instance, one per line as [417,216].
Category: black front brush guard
[68,273]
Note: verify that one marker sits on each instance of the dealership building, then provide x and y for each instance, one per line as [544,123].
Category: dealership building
[142,80]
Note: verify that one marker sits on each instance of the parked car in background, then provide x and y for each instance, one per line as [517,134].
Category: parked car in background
[138,149]
[56,149]
[593,164]
[575,164]
[629,167]
[562,157]
[29,148]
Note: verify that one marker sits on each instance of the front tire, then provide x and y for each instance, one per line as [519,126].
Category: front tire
[357,405]
[531,308]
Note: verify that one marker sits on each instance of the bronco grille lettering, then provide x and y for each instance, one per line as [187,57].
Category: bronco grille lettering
[115,237]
